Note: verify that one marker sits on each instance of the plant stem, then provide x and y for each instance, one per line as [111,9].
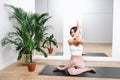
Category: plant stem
[30,56]
[50,44]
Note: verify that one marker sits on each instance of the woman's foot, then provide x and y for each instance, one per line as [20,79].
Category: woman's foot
[56,68]
[84,53]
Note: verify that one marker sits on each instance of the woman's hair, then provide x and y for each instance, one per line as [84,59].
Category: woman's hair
[74,28]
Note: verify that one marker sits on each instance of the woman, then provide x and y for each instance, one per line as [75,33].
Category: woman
[76,65]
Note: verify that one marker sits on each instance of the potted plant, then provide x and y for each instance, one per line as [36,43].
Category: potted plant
[49,41]
[29,33]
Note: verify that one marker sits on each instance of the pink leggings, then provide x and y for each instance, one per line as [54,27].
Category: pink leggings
[76,71]
[75,67]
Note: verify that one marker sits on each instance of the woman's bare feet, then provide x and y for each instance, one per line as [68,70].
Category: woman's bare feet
[56,68]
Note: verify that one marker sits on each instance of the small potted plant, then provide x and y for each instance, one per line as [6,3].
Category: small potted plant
[49,41]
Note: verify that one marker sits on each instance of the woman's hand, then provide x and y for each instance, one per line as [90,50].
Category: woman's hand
[78,24]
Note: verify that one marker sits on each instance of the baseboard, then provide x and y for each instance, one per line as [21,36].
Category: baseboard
[7,63]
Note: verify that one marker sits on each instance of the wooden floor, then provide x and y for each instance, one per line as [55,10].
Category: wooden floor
[98,48]
[17,71]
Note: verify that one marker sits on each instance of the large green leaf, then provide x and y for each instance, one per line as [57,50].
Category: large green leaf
[19,55]
[18,13]
[54,43]
[42,51]
[51,37]
[43,45]
[4,41]
[30,44]
[19,46]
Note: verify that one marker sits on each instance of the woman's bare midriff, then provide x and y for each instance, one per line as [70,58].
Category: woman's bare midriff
[77,58]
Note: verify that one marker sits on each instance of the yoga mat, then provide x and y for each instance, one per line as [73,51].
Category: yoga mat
[88,54]
[58,54]
[96,54]
[101,72]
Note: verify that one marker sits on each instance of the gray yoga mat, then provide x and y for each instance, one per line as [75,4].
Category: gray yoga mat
[58,54]
[88,54]
[101,72]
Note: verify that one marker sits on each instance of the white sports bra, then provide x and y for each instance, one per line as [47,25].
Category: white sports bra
[76,50]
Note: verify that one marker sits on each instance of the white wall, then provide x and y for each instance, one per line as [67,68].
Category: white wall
[8,53]
[54,8]
[97,20]
[116,29]
[41,6]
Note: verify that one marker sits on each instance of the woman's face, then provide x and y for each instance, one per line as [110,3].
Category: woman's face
[72,32]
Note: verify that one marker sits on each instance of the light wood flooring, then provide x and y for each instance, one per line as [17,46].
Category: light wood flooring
[17,71]
[98,48]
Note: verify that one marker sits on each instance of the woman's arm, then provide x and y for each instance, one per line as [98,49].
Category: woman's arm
[77,34]
[78,26]
[82,41]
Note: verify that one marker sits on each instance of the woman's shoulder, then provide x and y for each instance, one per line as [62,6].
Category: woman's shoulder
[70,41]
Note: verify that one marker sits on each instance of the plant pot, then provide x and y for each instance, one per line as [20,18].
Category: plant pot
[31,66]
[50,50]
